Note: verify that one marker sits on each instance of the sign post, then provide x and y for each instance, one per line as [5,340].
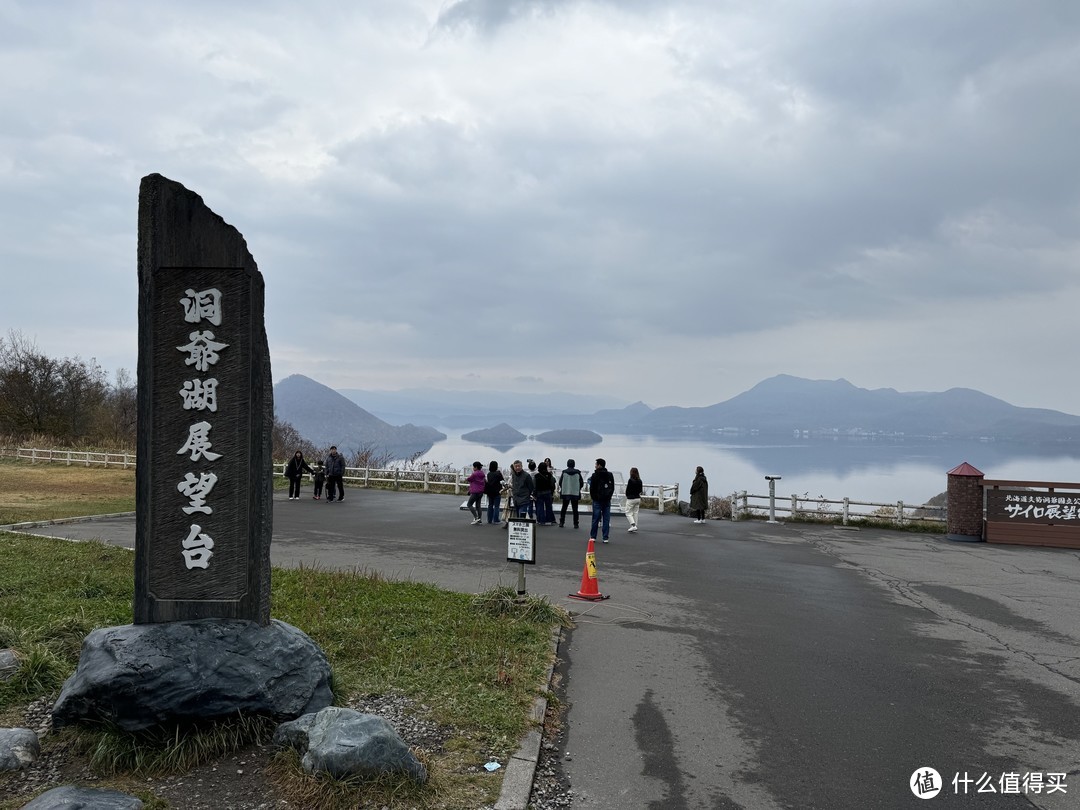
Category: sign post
[521,547]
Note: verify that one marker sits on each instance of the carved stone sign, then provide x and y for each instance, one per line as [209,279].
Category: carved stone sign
[203,480]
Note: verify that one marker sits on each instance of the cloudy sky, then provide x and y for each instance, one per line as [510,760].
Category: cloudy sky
[665,201]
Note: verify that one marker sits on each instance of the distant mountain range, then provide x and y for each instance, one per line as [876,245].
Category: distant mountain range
[779,408]
[784,405]
[325,417]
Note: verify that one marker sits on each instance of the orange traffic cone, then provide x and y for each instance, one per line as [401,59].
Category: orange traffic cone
[589,585]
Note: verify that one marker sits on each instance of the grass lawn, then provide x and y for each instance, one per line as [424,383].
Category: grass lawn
[472,664]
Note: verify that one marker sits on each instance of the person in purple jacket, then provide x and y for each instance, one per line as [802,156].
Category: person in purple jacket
[476,492]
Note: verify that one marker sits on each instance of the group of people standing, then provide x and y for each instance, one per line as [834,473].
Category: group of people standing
[329,475]
[532,492]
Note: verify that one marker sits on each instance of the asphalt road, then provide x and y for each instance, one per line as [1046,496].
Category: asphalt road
[762,666]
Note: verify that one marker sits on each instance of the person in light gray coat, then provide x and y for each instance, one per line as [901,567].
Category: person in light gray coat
[570,486]
[699,496]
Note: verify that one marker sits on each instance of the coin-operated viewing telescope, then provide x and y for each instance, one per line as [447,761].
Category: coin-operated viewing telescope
[772,479]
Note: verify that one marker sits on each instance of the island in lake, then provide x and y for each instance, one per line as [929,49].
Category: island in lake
[502,435]
[570,438]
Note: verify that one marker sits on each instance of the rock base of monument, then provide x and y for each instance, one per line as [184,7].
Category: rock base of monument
[140,676]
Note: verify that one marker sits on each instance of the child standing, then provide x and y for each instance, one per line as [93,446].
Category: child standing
[319,476]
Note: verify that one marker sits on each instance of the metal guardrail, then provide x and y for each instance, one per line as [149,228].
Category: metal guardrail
[825,509]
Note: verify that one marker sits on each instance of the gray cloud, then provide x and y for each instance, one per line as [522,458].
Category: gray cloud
[538,191]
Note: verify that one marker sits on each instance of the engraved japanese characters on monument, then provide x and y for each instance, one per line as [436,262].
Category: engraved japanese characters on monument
[204,487]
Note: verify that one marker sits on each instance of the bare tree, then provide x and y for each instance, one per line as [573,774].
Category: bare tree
[369,457]
[120,418]
[82,395]
[287,440]
[29,387]
[67,400]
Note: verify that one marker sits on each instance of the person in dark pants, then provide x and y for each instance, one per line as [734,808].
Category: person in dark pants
[493,489]
[319,478]
[477,483]
[294,471]
[570,485]
[699,496]
[545,495]
[601,490]
[335,471]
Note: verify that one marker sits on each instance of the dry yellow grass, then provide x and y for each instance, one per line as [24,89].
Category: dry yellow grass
[51,491]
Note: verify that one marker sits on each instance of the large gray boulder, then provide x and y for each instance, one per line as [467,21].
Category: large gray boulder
[144,675]
[19,748]
[70,797]
[344,743]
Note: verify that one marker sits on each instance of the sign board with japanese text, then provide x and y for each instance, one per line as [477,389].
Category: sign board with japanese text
[521,541]
[1029,506]
[203,480]
[1032,513]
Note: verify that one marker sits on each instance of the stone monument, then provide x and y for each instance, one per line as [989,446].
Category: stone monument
[203,646]
[203,474]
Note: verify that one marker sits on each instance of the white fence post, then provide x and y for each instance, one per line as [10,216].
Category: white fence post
[427,479]
[847,506]
[899,513]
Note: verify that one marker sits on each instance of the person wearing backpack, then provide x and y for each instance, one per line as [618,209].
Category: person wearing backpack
[601,490]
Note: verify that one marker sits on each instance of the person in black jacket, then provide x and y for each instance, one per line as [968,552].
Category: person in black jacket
[699,496]
[493,489]
[335,471]
[601,490]
[633,498]
[545,495]
[294,471]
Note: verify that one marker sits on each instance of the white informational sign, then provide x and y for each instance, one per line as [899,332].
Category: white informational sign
[521,543]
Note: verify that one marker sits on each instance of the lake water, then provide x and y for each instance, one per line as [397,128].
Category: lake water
[876,471]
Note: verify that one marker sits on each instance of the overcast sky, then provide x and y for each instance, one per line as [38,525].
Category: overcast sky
[664,201]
